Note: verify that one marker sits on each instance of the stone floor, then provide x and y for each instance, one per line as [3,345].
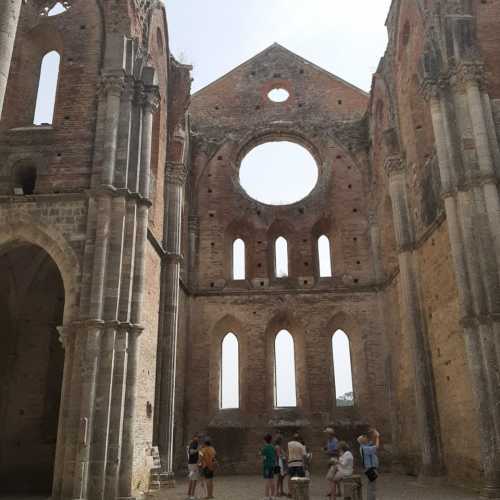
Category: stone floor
[390,487]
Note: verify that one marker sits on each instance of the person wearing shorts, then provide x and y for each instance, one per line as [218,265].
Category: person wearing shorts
[268,453]
[194,471]
[207,463]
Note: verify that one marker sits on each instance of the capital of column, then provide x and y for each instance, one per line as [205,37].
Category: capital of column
[394,165]
[431,89]
[129,90]
[112,85]
[151,99]
[176,173]
[139,94]
[468,73]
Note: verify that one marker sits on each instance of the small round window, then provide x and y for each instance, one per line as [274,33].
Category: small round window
[278,173]
[278,95]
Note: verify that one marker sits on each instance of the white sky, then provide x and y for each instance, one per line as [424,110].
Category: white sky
[346,37]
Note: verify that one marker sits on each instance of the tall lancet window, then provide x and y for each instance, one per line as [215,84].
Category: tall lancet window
[342,369]
[230,380]
[239,267]
[47,89]
[324,257]
[281,258]
[284,365]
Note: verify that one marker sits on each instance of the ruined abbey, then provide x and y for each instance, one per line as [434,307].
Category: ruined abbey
[118,223]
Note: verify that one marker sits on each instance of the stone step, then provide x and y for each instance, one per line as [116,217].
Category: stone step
[154,485]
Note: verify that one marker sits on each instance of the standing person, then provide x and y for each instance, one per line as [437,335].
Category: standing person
[369,444]
[268,453]
[340,469]
[296,455]
[281,465]
[208,463]
[193,457]
[332,443]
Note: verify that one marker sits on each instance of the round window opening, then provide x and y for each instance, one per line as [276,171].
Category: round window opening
[278,95]
[278,173]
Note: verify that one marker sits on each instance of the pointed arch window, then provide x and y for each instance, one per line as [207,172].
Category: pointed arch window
[344,394]
[324,257]
[47,89]
[281,257]
[230,379]
[285,394]
[239,264]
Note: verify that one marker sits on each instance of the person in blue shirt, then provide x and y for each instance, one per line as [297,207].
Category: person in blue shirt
[369,444]
[332,444]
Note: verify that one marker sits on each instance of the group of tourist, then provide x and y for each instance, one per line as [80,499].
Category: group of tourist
[293,462]
[202,462]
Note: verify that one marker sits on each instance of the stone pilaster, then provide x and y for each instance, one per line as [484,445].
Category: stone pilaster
[133,293]
[471,201]
[9,19]
[128,441]
[193,231]
[176,178]
[428,427]
[113,86]
[113,460]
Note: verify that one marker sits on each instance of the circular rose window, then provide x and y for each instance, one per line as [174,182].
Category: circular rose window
[278,95]
[278,173]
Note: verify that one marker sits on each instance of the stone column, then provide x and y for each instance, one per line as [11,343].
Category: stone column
[89,351]
[485,157]
[102,414]
[426,407]
[137,270]
[128,440]
[113,87]
[193,229]
[176,177]
[9,19]
[462,201]
[135,139]
[375,248]
[117,413]
[64,432]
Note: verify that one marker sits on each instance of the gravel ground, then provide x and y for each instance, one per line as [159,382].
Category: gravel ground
[390,487]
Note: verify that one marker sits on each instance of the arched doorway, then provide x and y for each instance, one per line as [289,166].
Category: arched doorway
[31,367]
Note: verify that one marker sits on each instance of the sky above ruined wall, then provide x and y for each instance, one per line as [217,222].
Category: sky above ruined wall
[346,37]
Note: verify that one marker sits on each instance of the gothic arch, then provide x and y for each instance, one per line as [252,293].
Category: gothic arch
[242,229]
[227,324]
[287,320]
[38,234]
[357,345]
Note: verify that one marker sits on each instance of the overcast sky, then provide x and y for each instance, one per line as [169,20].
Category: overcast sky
[346,37]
